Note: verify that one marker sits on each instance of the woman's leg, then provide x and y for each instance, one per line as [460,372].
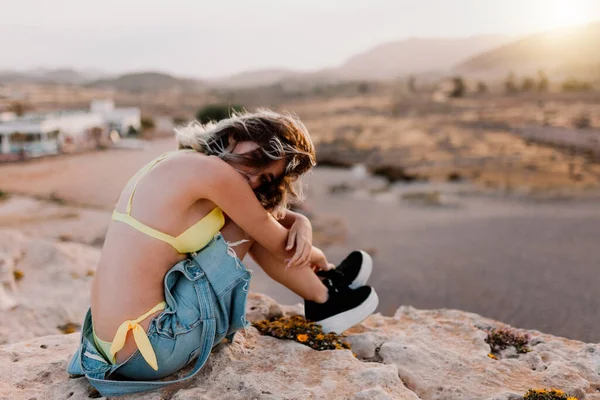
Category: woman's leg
[304,282]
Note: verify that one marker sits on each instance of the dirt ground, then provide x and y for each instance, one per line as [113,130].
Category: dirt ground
[488,204]
[530,263]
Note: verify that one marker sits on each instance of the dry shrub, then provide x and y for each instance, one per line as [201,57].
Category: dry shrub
[302,331]
[543,394]
[501,338]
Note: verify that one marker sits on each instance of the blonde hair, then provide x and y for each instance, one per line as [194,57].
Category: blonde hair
[279,136]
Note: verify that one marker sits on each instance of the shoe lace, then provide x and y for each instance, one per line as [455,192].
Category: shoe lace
[332,283]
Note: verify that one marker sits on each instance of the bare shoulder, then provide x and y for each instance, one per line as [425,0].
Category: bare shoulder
[199,170]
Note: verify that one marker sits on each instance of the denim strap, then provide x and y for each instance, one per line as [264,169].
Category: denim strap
[108,387]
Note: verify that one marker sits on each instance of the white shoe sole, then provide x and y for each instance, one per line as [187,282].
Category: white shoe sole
[365,271]
[346,320]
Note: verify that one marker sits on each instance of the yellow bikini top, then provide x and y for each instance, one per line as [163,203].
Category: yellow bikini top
[193,239]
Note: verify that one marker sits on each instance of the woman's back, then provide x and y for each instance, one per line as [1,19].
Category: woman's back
[129,277]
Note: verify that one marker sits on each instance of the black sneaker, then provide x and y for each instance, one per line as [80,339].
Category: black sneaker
[354,271]
[345,307]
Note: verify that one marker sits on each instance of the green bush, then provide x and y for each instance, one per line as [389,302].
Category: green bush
[543,82]
[179,120]
[131,131]
[147,123]
[582,121]
[501,338]
[363,87]
[459,88]
[574,85]
[481,87]
[510,85]
[217,112]
[528,84]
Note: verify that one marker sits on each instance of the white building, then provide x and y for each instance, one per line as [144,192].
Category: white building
[38,134]
[121,120]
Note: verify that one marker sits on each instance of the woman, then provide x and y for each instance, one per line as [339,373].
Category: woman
[170,284]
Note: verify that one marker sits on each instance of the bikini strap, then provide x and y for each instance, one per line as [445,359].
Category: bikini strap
[138,176]
[206,335]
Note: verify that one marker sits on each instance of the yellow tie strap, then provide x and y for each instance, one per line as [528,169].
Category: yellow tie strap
[139,336]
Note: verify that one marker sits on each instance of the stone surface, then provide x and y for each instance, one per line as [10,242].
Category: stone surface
[416,354]
[442,354]
[268,369]
[53,291]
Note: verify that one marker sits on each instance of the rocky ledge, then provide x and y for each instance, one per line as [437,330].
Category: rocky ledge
[413,355]
[416,354]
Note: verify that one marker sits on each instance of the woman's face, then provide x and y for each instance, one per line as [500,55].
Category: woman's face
[257,176]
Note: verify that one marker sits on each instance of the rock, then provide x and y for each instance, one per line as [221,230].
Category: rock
[363,345]
[54,288]
[271,369]
[441,354]
[8,287]
[437,355]
[416,354]
[260,307]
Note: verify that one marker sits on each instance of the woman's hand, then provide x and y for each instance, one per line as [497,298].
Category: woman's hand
[300,235]
[318,261]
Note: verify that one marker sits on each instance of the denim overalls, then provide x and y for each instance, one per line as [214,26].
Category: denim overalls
[206,301]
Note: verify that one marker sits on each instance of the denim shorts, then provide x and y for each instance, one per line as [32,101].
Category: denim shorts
[206,300]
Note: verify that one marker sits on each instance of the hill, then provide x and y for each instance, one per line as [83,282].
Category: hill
[416,56]
[563,51]
[59,76]
[412,56]
[142,81]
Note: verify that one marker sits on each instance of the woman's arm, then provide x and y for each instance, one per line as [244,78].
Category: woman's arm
[217,181]
[290,218]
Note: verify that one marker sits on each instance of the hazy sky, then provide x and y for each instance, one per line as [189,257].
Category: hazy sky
[202,38]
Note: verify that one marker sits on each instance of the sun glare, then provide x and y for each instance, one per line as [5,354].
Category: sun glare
[561,13]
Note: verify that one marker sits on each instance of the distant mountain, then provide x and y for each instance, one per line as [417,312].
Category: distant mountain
[44,75]
[142,81]
[416,56]
[267,77]
[565,51]
[256,78]
[64,75]
[405,57]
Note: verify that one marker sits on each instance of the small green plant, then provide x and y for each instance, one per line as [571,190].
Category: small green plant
[411,84]
[544,394]
[4,195]
[363,87]
[302,331]
[528,84]
[501,338]
[582,121]
[147,123]
[482,87]
[543,82]
[510,84]
[54,198]
[575,85]
[459,88]
[18,274]
[131,131]
[69,327]
[217,112]
[179,120]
